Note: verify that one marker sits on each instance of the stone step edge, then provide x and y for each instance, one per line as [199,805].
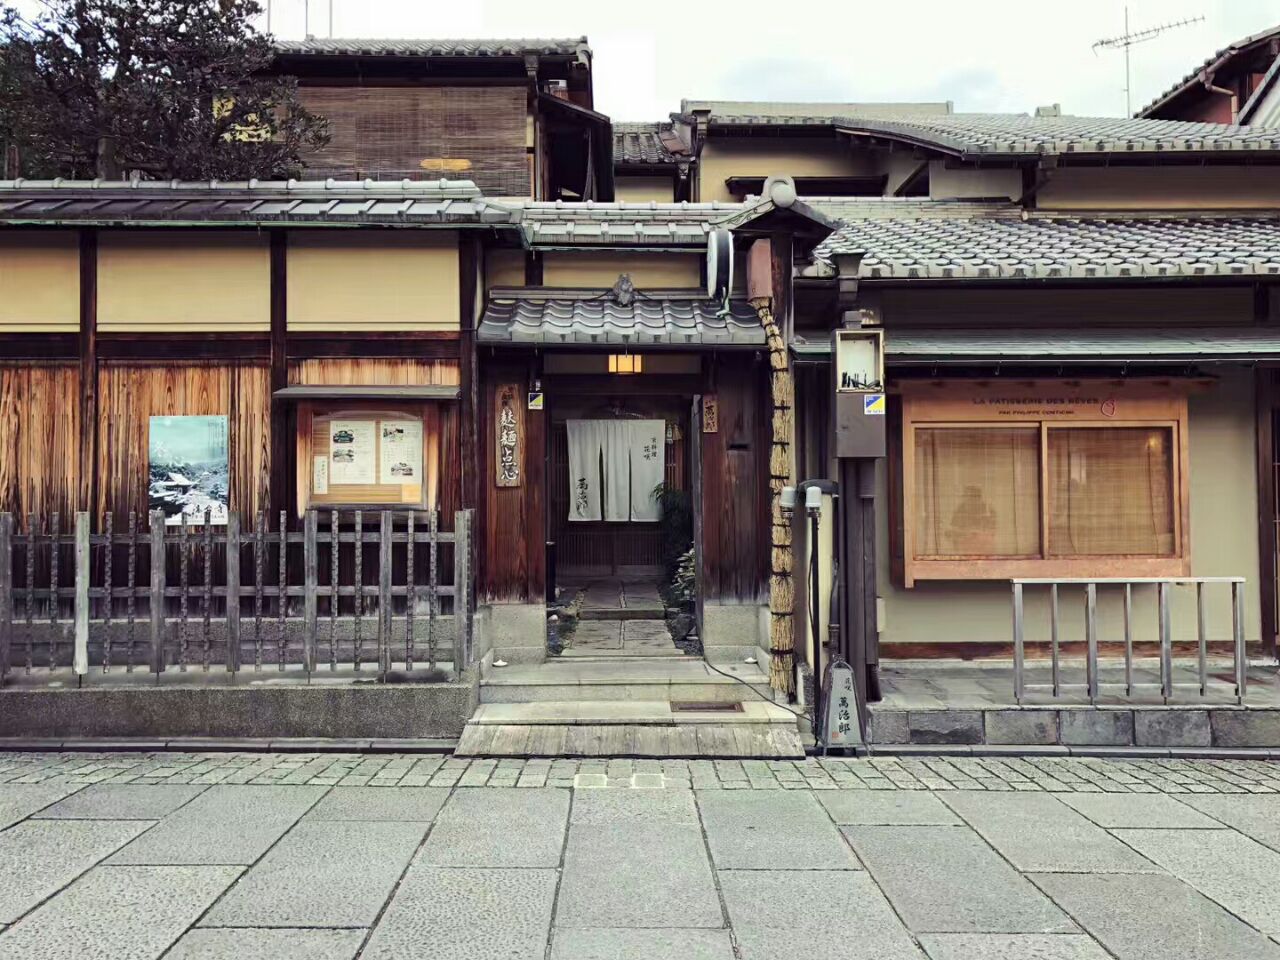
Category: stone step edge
[630,613]
[774,716]
[779,743]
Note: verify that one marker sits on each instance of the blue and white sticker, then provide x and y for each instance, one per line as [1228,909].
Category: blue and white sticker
[873,404]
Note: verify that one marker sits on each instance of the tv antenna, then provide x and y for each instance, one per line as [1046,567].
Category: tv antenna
[1129,38]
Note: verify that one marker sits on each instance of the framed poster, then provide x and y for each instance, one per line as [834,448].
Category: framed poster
[187,467]
[352,445]
[400,452]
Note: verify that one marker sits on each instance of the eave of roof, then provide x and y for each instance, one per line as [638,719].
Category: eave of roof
[340,47]
[1209,65]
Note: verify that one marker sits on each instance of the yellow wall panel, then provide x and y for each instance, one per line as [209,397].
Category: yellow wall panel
[385,280]
[183,280]
[39,282]
[600,271]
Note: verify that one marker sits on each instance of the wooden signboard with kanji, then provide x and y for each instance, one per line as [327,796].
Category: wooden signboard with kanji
[508,420]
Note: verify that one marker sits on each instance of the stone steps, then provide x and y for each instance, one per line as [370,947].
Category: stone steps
[662,679]
[620,729]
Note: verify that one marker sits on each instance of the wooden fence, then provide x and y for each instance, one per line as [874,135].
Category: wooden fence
[392,594]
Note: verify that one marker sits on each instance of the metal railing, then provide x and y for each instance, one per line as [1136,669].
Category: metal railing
[1240,663]
[258,597]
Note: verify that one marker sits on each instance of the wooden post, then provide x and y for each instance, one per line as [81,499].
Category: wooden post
[461,590]
[80,655]
[233,592]
[6,591]
[309,560]
[279,376]
[384,592]
[87,494]
[157,592]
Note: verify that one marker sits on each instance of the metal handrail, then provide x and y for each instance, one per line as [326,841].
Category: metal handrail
[1239,660]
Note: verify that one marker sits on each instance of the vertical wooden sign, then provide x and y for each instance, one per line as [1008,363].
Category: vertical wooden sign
[710,414]
[508,423]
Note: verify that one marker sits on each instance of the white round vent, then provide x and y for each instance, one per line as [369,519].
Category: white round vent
[719,264]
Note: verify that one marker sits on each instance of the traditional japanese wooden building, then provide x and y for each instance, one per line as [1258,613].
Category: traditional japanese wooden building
[1075,317]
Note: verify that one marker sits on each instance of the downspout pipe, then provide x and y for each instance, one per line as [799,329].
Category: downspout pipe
[1207,78]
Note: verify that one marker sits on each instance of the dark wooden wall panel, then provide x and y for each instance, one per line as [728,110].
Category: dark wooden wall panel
[512,541]
[130,394]
[734,484]
[39,439]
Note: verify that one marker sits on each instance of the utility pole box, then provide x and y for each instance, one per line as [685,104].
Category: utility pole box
[858,366]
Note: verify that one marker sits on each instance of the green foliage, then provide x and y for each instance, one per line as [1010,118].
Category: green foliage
[676,525]
[159,88]
[684,584]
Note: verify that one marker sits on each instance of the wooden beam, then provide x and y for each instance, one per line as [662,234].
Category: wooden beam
[280,440]
[1265,380]
[468,436]
[418,344]
[87,494]
[40,346]
[184,346]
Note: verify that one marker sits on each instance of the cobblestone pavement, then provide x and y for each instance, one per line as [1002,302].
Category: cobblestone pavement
[333,857]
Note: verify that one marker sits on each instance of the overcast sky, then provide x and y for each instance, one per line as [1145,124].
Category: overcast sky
[984,55]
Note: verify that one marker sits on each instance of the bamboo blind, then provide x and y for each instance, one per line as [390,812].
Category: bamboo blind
[475,133]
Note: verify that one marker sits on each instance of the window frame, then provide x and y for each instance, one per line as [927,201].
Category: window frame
[309,412]
[943,405]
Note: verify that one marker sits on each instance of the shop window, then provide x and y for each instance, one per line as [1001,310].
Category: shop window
[1047,480]
[368,456]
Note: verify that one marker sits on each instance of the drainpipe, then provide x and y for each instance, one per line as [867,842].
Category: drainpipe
[1207,80]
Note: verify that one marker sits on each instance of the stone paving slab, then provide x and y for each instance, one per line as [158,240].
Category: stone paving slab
[812,915]
[499,827]
[603,943]
[466,914]
[1153,810]
[125,913]
[1012,946]
[1230,869]
[669,885]
[607,807]
[755,830]
[123,801]
[947,880]
[404,804]
[216,827]
[1154,917]
[231,943]
[40,857]
[20,800]
[321,874]
[886,808]
[1254,816]
[1036,832]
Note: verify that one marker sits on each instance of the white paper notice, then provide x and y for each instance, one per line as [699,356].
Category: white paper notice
[400,456]
[351,451]
[320,475]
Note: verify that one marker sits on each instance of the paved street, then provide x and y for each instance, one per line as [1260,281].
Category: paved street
[330,857]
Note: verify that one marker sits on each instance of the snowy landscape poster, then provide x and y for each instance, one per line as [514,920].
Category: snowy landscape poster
[188,469]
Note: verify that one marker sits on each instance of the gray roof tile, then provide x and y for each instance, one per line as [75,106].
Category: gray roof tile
[975,135]
[322,46]
[999,243]
[603,322]
[402,202]
[648,144]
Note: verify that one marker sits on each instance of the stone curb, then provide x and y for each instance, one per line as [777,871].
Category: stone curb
[222,745]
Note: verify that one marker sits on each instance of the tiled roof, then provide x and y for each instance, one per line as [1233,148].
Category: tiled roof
[557,223]
[998,243]
[648,144]
[1194,75]
[394,203]
[644,322]
[951,345]
[433,48]
[977,135]
[769,112]
[1082,343]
